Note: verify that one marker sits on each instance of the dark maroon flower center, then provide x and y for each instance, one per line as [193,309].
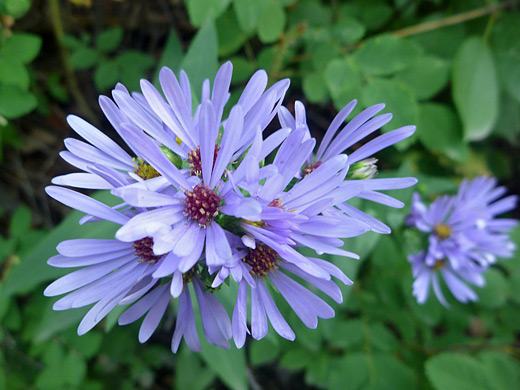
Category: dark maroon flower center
[195,162]
[309,168]
[262,260]
[144,250]
[202,204]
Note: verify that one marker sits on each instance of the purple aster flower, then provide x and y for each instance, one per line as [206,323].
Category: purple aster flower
[362,165]
[464,238]
[113,273]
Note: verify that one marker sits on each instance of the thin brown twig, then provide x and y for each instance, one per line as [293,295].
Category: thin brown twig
[70,77]
[444,22]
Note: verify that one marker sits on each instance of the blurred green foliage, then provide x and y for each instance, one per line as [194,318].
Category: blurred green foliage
[459,83]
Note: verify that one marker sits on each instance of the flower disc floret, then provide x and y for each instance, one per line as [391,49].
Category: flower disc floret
[309,168]
[144,170]
[262,260]
[202,204]
[195,161]
[144,250]
[442,231]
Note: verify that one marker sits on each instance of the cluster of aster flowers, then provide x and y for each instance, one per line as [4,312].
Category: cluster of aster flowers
[199,206]
[464,238]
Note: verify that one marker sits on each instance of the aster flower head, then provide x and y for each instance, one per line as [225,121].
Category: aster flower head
[362,164]
[464,238]
[199,206]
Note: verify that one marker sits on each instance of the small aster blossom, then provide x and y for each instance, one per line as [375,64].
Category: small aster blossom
[362,164]
[465,237]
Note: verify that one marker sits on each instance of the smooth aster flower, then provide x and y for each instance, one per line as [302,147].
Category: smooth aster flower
[362,165]
[465,237]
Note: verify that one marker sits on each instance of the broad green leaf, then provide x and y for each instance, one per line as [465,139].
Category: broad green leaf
[348,334]
[272,22]
[22,46]
[51,376]
[83,58]
[310,12]
[343,81]
[106,75]
[439,130]
[231,37]
[15,102]
[54,322]
[475,89]
[390,373]
[15,8]
[200,10]
[20,222]
[385,55]
[507,52]
[14,72]
[171,56]
[502,371]
[75,368]
[249,12]
[109,40]
[399,100]
[296,358]
[314,88]
[133,64]
[381,338]
[508,123]
[352,373]
[264,351]
[189,372]
[201,60]
[34,269]
[452,371]
[229,365]
[426,77]
[496,290]
[348,31]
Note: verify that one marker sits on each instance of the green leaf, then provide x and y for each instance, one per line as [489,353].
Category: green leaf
[14,72]
[296,359]
[264,351]
[507,52]
[75,368]
[343,81]
[201,60]
[83,58]
[494,294]
[439,130]
[426,77]
[242,70]
[399,100]
[354,369]
[229,365]
[15,102]
[200,10]
[508,123]
[347,334]
[189,373]
[231,37]
[391,373]
[248,13]
[109,40]
[15,8]
[106,75]
[475,89]
[348,31]
[20,222]
[22,46]
[133,65]
[451,371]
[385,55]
[171,56]
[502,371]
[34,270]
[271,24]
[314,87]
[382,338]
[54,322]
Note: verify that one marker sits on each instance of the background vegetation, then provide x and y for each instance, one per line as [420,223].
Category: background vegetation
[452,67]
